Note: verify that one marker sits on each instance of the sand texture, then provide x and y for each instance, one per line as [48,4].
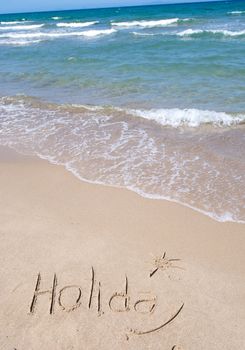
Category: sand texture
[84,266]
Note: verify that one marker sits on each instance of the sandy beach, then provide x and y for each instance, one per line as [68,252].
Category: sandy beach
[92,267]
[122,175]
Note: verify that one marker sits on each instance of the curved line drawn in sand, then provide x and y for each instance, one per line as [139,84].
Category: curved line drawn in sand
[138,332]
[77,302]
[163,263]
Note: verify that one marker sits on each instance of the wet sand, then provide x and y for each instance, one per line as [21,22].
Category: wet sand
[92,267]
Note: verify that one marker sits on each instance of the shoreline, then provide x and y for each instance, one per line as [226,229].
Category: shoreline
[74,233]
[19,155]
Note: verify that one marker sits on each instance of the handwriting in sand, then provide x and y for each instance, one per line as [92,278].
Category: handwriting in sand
[118,302]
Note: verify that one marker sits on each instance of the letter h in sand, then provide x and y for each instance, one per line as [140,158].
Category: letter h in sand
[38,293]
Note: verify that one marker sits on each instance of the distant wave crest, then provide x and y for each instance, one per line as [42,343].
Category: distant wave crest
[19,42]
[14,22]
[22,27]
[195,33]
[224,32]
[143,34]
[76,24]
[236,12]
[149,24]
[93,32]
[88,33]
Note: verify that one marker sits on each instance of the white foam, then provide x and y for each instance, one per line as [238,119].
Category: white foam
[143,34]
[190,32]
[76,25]
[22,27]
[99,148]
[27,35]
[15,22]
[56,18]
[92,33]
[236,12]
[228,32]
[88,33]
[176,117]
[147,24]
[19,42]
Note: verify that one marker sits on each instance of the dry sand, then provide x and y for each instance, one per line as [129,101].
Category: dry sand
[95,248]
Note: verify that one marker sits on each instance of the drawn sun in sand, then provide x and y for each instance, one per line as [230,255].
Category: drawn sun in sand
[164,263]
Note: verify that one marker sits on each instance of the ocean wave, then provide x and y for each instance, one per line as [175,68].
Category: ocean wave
[224,32]
[22,27]
[19,42]
[76,25]
[144,34]
[93,33]
[88,33]
[236,12]
[56,18]
[149,24]
[176,117]
[15,22]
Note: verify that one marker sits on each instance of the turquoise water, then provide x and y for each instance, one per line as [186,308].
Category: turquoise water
[150,98]
[153,65]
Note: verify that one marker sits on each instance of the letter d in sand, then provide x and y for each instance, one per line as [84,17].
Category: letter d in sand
[119,302]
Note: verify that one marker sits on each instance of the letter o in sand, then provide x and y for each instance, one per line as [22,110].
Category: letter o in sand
[67,295]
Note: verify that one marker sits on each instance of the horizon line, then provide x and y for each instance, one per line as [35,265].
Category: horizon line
[121,6]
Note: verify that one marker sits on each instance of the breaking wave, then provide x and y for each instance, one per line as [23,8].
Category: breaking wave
[149,24]
[22,27]
[176,117]
[88,33]
[224,32]
[236,12]
[15,22]
[19,42]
